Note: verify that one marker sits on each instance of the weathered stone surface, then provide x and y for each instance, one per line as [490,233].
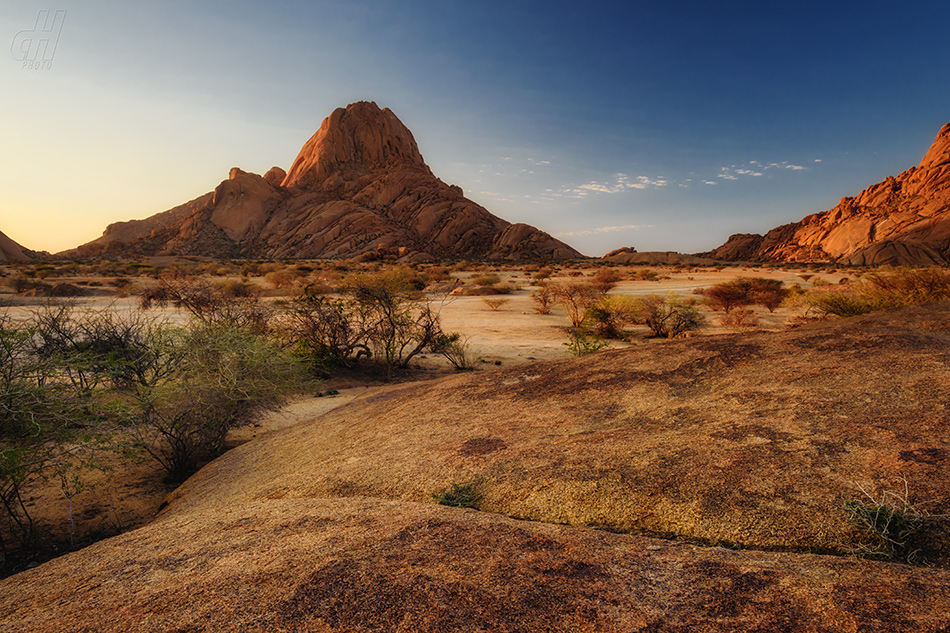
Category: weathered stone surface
[275,176]
[361,565]
[359,182]
[654,258]
[749,440]
[909,212]
[10,251]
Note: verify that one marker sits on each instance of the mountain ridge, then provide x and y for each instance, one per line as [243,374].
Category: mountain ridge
[902,220]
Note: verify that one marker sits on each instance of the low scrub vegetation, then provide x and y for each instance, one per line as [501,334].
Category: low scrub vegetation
[888,525]
[460,495]
[882,289]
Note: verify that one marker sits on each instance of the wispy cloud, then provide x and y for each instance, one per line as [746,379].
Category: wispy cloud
[604,229]
[621,183]
[755,169]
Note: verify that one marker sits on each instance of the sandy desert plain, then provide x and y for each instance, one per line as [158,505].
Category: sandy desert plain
[690,484]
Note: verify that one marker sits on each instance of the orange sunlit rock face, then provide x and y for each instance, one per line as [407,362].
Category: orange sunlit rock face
[904,220]
[358,183]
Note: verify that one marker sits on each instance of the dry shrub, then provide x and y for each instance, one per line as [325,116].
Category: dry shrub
[575,297]
[605,279]
[280,279]
[611,313]
[669,317]
[486,280]
[543,298]
[210,303]
[456,349]
[883,289]
[741,318]
[494,304]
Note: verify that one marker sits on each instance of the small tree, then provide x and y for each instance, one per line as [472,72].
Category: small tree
[41,417]
[575,297]
[768,293]
[728,295]
[605,279]
[543,298]
[397,319]
[494,304]
[669,318]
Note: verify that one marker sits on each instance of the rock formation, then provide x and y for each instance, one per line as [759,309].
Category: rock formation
[10,251]
[360,183]
[904,220]
[629,255]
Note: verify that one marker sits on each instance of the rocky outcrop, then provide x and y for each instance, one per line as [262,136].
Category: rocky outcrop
[629,255]
[360,183]
[10,251]
[904,220]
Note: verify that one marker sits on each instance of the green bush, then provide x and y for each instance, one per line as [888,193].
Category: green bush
[669,317]
[460,495]
[456,349]
[206,381]
[581,342]
[887,524]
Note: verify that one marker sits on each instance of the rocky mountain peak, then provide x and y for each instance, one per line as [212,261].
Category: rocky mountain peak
[939,153]
[902,220]
[353,141]
[359,183]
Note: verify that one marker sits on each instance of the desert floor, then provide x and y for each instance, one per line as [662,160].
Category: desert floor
[130,493]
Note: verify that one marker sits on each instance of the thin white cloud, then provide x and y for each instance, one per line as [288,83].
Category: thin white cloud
[604,229]
[621,183]
[755,169]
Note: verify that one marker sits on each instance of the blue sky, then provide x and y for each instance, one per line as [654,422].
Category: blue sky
[659,125]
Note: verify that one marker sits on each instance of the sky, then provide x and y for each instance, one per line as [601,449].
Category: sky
[658,125]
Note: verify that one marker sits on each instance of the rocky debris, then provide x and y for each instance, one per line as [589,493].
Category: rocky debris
[359,182]
[904,220]
[10,251]
[362,564]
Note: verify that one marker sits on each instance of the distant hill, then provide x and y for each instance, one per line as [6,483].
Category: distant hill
[904,220]
[10,251]
[358,185]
